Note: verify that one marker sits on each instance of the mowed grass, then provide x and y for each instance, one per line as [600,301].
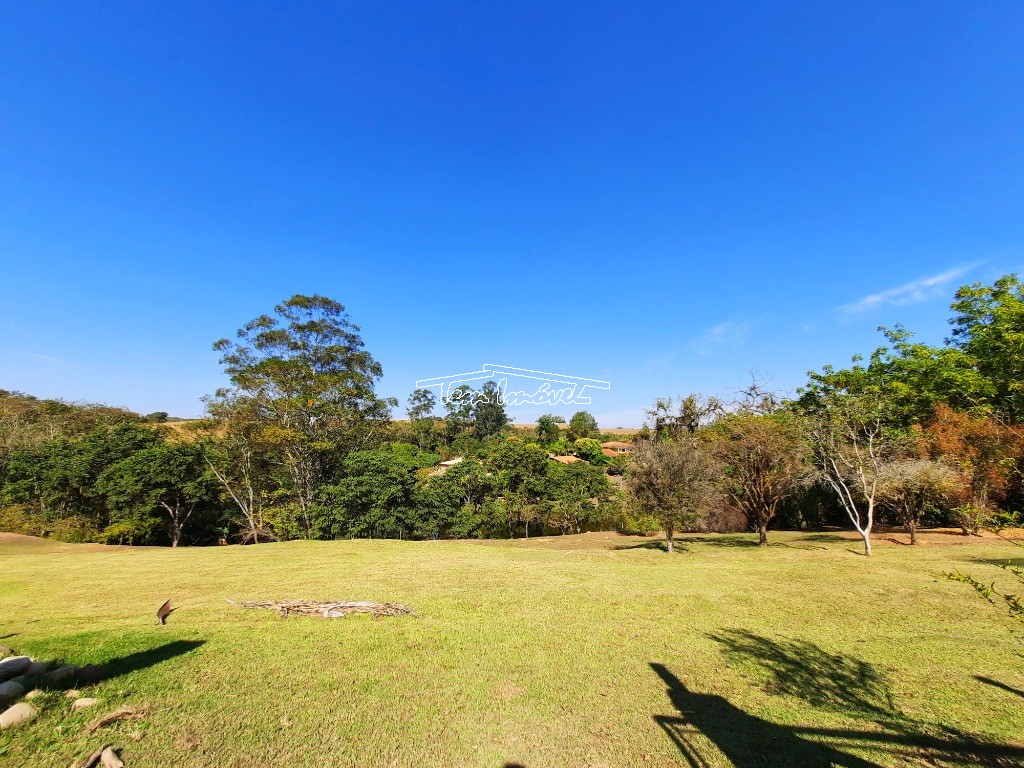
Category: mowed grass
[593,650]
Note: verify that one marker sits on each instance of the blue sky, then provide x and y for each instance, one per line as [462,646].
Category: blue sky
[666,196]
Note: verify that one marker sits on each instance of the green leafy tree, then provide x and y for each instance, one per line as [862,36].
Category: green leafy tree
[561,447]
[309,380]
[589,450]
[520,473]
[458,406]
[422,403]
[27,421]
[167,480]
[373,499]
[988,326]
[911,378]
[455,499]
[59,478]
[980,369]
[582,425]
[577,491]
[619,463]
[489,417]
[548,431]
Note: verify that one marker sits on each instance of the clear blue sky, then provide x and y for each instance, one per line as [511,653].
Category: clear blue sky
[662,195]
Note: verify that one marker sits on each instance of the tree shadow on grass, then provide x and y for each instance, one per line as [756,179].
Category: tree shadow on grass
[747,741]
[116,667]
[1005,562]
[997,684]
[806,671]
[659,545]
[832,681]
[742,541]
[745,541]
[681,542]
[833,538]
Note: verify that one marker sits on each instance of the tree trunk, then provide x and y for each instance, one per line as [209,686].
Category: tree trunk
[668,540]
[866,535]
[176,535]
[913,532]
[762,535]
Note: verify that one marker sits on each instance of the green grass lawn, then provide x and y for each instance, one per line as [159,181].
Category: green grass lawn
[593,650]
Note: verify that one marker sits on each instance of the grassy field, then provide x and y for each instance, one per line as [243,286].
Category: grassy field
[592,650]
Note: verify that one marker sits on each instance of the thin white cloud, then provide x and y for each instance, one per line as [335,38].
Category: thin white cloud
[922,289]
[724,334]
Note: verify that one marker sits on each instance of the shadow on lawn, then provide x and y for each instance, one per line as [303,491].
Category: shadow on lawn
[658,544]
[746,740]
[133,662]
[806,671]
[837,682]
[116,667]
[680,542]
[997,684]
[1004,563]
[741,540]
[746,540]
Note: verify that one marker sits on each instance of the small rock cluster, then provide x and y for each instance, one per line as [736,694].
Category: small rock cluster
[22,678]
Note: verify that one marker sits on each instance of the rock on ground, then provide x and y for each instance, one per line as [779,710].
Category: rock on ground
[10,692]
[83,703]
[19,713]
[14,666]
[59,675]
[90,674]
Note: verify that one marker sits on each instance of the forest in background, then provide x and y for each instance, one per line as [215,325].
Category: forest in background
[300,445]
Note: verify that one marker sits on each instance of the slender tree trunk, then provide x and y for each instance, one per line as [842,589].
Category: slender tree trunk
[176,535]
[762,535]
[866,535]
[912,528]
[668,540]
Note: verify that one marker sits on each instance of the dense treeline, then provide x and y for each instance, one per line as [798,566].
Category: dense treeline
[301,446]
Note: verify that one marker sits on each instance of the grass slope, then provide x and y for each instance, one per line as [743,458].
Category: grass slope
[593,650]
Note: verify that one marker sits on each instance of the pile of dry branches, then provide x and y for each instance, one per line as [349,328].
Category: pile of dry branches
[329,610]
